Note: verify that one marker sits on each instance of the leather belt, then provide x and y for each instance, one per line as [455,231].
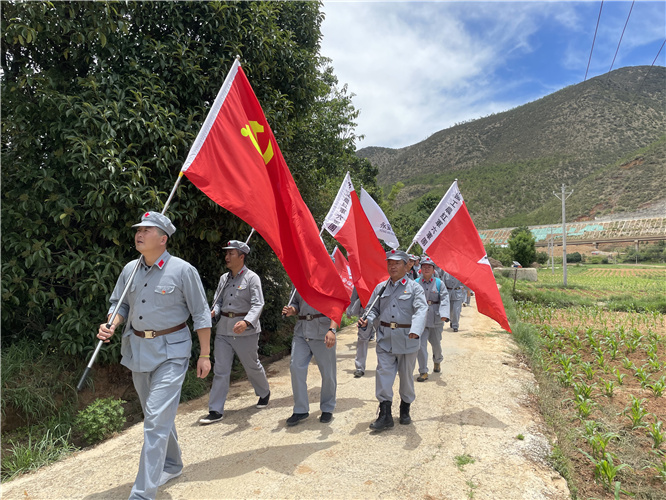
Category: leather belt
[431,302]
[310,317]
[233,315]
[151,334]
[456,288]
[393,326]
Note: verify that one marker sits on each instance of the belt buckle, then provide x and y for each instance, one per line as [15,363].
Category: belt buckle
[430,302]
[393,325]
[232,315]
[308,317]
[149,334]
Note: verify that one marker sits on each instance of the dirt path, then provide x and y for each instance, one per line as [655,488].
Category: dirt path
[477,406]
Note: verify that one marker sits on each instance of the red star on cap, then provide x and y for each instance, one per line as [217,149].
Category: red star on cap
[146,214]
[392,251]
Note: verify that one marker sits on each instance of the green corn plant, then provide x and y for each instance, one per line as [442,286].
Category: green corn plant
[584,406]
[599,443]
[588,369]
[628,364]
[660,469]
[636,412]
[654,365]
[609,387]
[605,469]
[657,434]
[584,390]
[590,427]
[658,387]
[642,375]
[619,376]
[565,378]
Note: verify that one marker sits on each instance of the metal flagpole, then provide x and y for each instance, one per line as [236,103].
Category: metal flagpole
[109,323]
[367,310]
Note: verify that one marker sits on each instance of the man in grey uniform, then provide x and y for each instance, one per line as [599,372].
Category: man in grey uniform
[412,266]
[238,306]
[401,310]
[314,335]
[364,336]
[438,313]
[456,296]
[156,344]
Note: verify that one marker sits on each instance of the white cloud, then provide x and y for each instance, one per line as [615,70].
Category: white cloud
[419,67]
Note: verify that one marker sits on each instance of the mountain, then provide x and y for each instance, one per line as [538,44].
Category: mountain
[605,138]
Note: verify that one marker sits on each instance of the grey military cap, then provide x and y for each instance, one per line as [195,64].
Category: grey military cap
[238,245]
[425,260]
[397,255]
[156,219]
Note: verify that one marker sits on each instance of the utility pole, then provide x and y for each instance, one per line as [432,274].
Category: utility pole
[563,197]
[551,250]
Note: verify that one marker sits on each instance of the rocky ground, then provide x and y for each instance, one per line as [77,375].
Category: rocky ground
[465,440]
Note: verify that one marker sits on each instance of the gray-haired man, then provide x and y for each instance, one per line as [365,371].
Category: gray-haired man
[156,344]
[239,304]
[401,311]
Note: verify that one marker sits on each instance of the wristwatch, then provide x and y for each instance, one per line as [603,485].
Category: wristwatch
[332,330]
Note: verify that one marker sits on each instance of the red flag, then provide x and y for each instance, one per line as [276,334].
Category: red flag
[344,270]
[453,243]
[236,162]
[347,223]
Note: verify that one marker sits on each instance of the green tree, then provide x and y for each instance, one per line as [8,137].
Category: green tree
[522,245]
[101,102]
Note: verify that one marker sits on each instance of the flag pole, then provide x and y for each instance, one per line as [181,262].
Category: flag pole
[293,292]
[410,246]
[109,323]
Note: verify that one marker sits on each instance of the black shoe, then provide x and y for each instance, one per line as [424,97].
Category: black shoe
[263,402]
[405,419]
[212,417]
[455,329]
[326,417]
[422,377]
[385,419]
[296,418]
[437,368]
[358,373]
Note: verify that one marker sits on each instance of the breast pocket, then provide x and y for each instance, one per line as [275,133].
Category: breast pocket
[166,294]
[405,304]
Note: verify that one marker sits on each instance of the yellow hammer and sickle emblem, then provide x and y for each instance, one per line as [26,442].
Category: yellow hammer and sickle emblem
[251,131]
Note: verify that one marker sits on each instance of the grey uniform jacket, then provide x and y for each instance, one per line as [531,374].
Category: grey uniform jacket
[314,329]
[239,294]
[438,302]
[402,302]
[354,308]
[160,297]
[455,288]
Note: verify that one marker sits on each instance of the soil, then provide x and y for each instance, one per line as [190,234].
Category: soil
[481,407]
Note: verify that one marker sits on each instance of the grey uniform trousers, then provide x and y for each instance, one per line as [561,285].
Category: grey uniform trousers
[302,351]
[433,335]
[362,347]
[388,365]
[246,348]
[456,307]
[159,393]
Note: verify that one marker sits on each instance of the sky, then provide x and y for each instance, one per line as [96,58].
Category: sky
[419,67]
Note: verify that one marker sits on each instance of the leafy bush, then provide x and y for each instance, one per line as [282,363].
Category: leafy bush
[574,257]
[101,419]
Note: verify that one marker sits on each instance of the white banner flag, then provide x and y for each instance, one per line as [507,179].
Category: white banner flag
[439,219]
[378,220]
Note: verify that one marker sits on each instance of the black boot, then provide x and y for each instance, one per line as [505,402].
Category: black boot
[404,413]
[385,419]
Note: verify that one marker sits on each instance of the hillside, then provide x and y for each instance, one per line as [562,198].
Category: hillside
[605,138]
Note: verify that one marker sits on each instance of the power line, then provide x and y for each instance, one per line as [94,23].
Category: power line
[622,35]
[593,40]
[650,68]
